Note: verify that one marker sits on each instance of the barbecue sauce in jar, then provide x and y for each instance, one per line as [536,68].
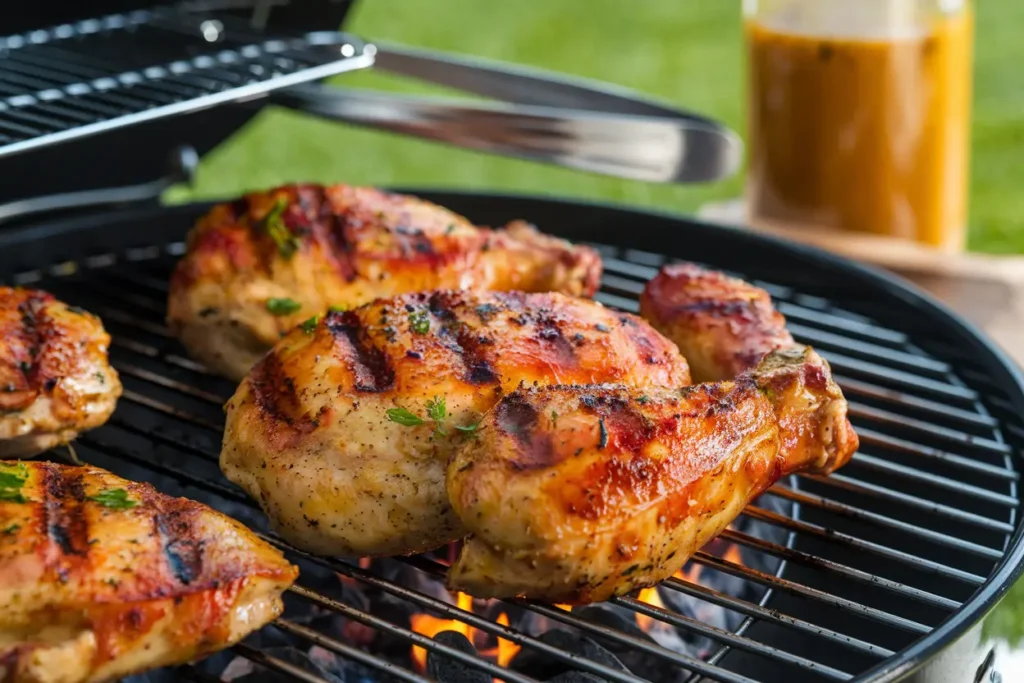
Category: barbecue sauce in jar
[859,116]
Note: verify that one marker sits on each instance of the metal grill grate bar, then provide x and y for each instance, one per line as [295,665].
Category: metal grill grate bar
[933,430]
[474,620]
[702,592]
[276,664]
[742,572]
[731,639]
[345,650]
[870,462]
[869,437]
[853,542]
[841,481]
[426,643]
[859,514]
[838,569]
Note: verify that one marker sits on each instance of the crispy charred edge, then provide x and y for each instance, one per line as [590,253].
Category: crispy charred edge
[62,516]
[700,295]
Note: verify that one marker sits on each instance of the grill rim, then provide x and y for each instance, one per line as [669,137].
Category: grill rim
[985,353]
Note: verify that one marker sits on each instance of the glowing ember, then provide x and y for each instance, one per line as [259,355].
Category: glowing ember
[430,626]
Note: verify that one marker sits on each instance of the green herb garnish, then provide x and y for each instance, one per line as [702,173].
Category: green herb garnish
[283,306]
[115,499]
[554,417]
[404,417]
[287,243]
[337,309]
[419,322]
[11,482]
[12,529]
[643,399]
[437,412]
[309,325]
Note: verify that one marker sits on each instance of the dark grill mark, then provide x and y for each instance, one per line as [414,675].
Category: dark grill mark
[274,391]
[65,522]
[368,364]
[462,341]
[184,553]
[562,350]
[336,229]
[518,418]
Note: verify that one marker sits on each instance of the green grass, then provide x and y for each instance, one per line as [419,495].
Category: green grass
[684,51]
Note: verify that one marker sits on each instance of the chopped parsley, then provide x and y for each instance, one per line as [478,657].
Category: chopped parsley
[450,229]
[287,243]
[12,478]
[337,309]
[283,306]
[309,325]
[12,529]
[419,322]
[115,499]
[643,400]
[554,417]
[404,417]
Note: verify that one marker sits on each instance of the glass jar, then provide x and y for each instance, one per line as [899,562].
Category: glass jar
[859,116]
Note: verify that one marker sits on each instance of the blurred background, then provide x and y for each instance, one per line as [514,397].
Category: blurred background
[687,52]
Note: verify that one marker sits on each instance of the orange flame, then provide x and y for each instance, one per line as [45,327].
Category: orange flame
[732,554]
[430,626]
[651,597]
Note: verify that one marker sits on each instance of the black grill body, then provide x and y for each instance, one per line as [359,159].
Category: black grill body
[888,566]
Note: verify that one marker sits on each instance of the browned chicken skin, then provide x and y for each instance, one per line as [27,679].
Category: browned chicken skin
[101,577]
[308,432]
[577,494]
[722,325]
[257,267]
[55,378]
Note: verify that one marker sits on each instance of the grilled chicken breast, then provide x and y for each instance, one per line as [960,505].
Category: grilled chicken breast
[257,267]
[101,577]
[55,378]
[577,494]
[343,431]
[722,325]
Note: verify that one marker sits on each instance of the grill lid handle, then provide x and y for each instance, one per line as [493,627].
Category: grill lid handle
[181,163]
[542,116]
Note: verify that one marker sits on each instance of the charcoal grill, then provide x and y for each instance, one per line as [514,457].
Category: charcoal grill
[882,572]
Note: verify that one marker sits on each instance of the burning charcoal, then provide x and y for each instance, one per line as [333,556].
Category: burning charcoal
[640,663]
[447,670]
[576,677]
[289,654]
[543,666]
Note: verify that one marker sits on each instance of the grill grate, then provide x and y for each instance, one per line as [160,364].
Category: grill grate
[876,557]
[79,79]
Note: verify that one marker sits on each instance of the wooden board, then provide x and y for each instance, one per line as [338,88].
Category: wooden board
[988,290]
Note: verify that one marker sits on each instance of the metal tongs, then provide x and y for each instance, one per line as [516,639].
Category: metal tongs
[541,116]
